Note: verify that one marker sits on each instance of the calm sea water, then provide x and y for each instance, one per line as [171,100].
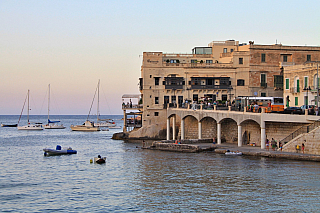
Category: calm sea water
[136,180]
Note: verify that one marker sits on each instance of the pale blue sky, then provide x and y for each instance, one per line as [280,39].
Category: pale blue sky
[72,44]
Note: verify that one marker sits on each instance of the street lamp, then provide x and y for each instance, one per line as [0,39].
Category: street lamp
[307,89]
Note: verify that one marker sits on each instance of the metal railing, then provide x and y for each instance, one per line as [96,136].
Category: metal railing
[301,130]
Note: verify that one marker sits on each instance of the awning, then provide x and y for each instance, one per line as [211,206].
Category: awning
[131,96]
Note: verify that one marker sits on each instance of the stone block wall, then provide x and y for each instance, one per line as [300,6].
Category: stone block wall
[251,133]
[209,128]
[311,142]
[191,128]
[279,131]
[229,131]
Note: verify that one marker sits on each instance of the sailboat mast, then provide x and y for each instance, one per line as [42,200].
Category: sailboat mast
[48,102]
[28,105]
[98,101]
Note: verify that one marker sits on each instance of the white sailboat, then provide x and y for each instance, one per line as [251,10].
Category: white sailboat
[88,125]
[52,124]
[30,126]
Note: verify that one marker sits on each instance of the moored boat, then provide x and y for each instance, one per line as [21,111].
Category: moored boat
[87,126]
[52,124]
[59,151]
[9,125]
[228,152]
[100,160]
[29,126]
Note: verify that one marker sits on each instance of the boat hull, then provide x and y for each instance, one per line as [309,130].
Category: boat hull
[48,152]
[48,126]
[30,127]
[100,160]
[9,125]
[85,128]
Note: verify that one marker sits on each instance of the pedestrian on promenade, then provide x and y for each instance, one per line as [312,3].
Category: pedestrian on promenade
[267,144]
[280,146]
[239,107]
[302,148]
[317,111]
[273,144]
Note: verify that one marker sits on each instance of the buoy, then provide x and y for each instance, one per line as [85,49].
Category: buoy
[91,161]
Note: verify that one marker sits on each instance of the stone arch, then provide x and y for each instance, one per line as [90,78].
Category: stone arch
[209,128]
[251,132]
[229,131]
[191,127]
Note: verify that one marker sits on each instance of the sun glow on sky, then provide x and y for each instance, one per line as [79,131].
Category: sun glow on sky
[72,44]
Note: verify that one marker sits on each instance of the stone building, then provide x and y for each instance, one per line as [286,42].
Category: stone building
[300,84]
[222,71]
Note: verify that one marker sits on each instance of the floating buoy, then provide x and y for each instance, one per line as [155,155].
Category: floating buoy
[91,161]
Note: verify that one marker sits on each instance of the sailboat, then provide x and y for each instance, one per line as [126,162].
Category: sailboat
[52,124]
[30,126]
[89,125]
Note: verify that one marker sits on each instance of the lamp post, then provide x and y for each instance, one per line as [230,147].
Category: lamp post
[307,89]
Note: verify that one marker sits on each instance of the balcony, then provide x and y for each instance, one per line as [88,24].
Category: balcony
[174,86]
[295,89]
[174,82]
[263,85]
[211,87]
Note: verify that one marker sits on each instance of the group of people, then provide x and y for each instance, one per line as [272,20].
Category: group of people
[273,144]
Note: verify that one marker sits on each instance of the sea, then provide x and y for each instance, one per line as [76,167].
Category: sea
[140,180]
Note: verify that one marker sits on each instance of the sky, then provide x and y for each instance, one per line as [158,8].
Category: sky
[72,44]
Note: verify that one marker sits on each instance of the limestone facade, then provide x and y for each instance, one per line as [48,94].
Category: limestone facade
[222,71]
[300,84]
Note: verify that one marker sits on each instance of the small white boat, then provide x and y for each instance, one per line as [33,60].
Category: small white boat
[52,124]
[105,123]
[31,126]
[35,126]
[59,151]
[87,126]
[233,153]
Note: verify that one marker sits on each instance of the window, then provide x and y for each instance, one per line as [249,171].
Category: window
[285,58]
[193,60]
[308,57]
[240,60]
[156,113]
[150,76]
[209,61]
[225,50]
[263,94]
[305,81]
[263,57]
[156,81]
[224,97]
[231,50]
[166,100]
[263,80]
[278,81]
[287,83]
[240,82]
[180,100]
[195,97]
[156,100]
[173,99]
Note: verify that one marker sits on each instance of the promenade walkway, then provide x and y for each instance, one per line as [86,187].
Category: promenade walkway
[257,151]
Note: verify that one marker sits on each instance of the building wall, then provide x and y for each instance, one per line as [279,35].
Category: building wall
[159,65]
[300,72]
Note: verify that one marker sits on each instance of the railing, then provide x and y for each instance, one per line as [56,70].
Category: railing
[201,65]
[301,130]
[295,89]
[211,87]
[174,86]
[132,106]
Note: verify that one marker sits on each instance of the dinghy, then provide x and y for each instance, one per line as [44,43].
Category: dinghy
[59,151]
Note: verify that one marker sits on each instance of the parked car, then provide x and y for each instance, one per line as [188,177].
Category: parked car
[310,108]
[293,110]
